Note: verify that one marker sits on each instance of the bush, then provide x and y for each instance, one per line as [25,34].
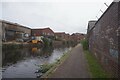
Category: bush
[85,44]
[47,42]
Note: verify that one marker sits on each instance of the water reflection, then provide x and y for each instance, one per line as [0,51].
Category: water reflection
[11,57]
[34,50]
[22,63]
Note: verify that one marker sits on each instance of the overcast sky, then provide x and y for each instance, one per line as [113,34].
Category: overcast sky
[68,16]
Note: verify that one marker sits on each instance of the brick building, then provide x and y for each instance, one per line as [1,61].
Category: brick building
[60,35]
[77,37]
[68,37]
[104,36]
[42,32]
[12,31]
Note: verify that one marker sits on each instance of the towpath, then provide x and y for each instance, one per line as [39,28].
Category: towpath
[75,66]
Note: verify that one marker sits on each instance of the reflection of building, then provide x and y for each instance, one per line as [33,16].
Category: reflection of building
[12,31]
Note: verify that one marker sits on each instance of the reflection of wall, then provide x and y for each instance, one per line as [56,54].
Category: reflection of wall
[103,39]
[10,56]
[13,56]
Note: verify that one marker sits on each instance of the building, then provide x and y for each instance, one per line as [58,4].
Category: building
[42,32]
[104,39]
[77,37]
[90,26]
[12,31]
[67,37]
[46,32]
[60,35]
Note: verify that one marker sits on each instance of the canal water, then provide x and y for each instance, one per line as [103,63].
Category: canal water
[23,63]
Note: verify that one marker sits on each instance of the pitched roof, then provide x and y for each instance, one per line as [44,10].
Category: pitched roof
[44,29]
[8,22]
[59,32]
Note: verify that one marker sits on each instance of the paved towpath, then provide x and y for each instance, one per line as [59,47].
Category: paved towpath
[75,66]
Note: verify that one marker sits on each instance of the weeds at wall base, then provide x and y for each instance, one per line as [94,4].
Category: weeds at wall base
[95,68]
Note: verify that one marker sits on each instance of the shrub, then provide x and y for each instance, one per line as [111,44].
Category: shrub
[85,44]
[47,42]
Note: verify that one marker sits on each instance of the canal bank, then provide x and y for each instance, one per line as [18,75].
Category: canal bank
[17,45]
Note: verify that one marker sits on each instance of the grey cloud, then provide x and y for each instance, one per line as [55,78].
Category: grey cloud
[62,16]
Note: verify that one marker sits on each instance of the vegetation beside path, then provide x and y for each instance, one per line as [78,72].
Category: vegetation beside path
[95,68]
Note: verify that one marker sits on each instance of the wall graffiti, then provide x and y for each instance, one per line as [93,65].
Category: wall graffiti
[114,53]
[104,38]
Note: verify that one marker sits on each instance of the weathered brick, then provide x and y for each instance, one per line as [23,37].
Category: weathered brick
[104,38]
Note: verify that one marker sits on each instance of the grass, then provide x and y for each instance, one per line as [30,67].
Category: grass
[46,67]
[94,67]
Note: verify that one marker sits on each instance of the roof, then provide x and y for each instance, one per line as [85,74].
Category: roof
[77,34]
[59,32]
[8,22]
[44,29]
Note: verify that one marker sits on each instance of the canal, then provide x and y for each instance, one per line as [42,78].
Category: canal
[24,62]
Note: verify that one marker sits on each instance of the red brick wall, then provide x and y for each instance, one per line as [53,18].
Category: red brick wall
[36,32]
[42,32]
[48,31]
